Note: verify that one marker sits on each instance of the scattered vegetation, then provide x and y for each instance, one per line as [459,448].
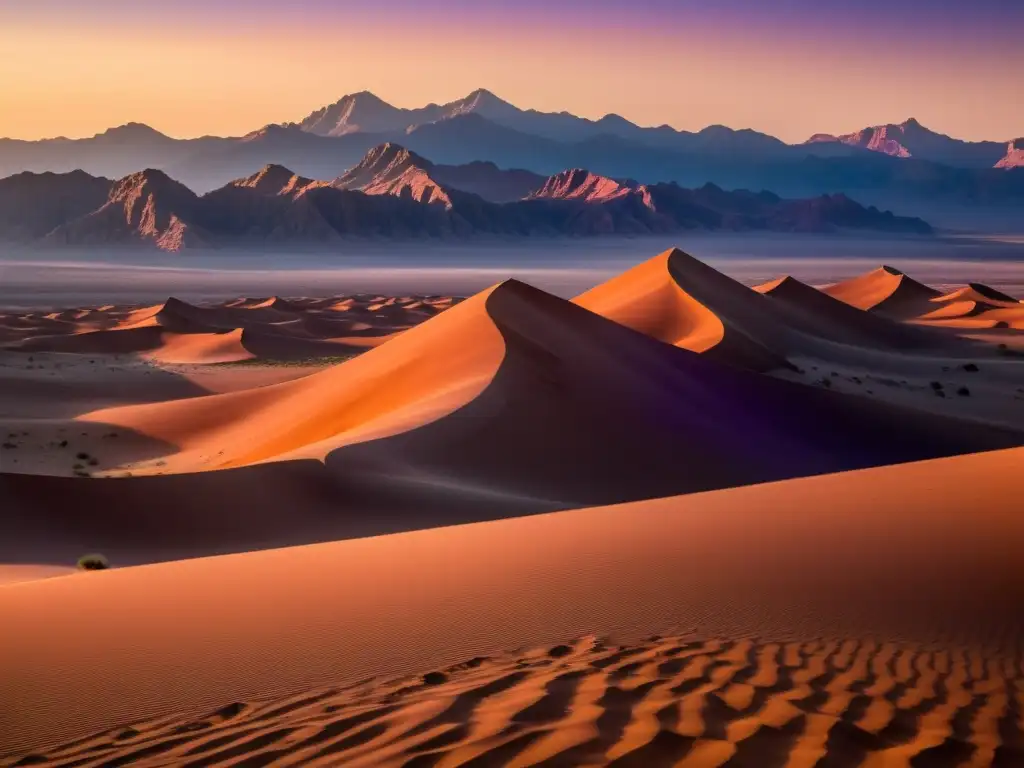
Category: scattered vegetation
[435,678]
[305,362]
[970,367]
[937,385]
[93,562]
[82,456]
[964,392]
[559,650]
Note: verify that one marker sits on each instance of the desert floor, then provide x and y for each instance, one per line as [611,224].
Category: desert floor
[677,520]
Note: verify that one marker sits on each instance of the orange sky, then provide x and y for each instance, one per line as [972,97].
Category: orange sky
[189,80]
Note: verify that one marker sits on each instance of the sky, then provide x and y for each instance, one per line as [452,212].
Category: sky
[790,68]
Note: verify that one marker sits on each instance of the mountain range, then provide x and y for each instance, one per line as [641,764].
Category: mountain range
[906,166]
[395,193]
[911,139]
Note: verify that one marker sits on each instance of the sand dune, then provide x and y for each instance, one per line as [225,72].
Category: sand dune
[980,293]
[794,585]
[178,332]
[832,628]
[681,301]
[202,348]
[886,291]
[11,574]
[820,315]
[513,402]
[973,307]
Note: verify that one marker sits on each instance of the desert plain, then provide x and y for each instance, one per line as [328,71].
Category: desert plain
[675,520]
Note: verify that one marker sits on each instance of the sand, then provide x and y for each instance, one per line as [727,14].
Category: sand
[179,332]
[885,291]
[513,402]
[677,520]
[11,574]
[849,624]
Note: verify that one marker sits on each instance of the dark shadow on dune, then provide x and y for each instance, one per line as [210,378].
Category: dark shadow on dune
[582,411]
[58,387]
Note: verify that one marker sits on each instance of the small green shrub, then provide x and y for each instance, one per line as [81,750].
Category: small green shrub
[93,562]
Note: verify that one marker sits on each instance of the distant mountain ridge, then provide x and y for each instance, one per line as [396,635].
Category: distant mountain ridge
[911,139]
[393,192]
[364,112]
[902,166]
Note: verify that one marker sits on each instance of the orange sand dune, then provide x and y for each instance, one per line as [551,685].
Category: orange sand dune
[887,291]
[988,318]
[271,328]
[201,348]
[841,603]
[10,574]
[512,402]
[818,314]
[423,374]
[681,301]
[182,314]
[975,306]
[122,341]
[141,317]
[979,293]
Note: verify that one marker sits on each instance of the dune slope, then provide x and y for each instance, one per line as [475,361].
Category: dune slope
[923,556]
[887,291]
[513,402]
[682,301]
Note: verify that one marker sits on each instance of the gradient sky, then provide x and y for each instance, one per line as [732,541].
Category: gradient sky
[786,67]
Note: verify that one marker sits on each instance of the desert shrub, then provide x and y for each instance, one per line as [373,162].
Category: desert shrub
[93,562]
[82,456]
[559,651]
[936,385]
[435,678]
[970,367]
[964,392]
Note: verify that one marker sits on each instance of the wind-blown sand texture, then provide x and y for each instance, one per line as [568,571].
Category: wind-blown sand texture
[849,623]
[811,498]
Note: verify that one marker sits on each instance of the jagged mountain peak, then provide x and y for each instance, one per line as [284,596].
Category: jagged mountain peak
[581,184]
[391,169]
[275,179]
[150,179]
